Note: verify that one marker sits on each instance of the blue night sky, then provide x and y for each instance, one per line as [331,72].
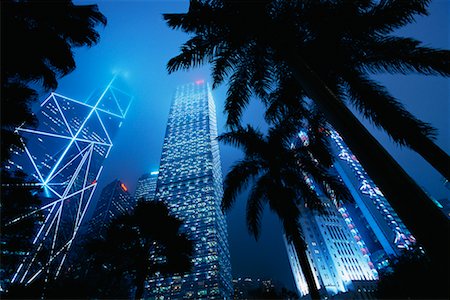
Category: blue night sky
[137,43]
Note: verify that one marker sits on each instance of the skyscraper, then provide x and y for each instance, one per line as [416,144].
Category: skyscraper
[146,186]
[114,200]
[379,225]
[339,265]
[64,156]
[352,241]
[190,182]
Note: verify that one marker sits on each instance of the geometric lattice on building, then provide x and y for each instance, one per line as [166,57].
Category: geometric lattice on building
[64,155]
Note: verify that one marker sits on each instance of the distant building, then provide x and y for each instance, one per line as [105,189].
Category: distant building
[190,182]
[115,200]
[64,156]
[256,288]
[146,186]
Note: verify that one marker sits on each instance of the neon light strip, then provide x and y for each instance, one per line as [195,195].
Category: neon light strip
[61,136]
[75,157]
[80,129]
[32,161]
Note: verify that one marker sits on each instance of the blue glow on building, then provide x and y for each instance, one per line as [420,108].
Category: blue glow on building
[190,182]
[115,200]
[381,228]
[65,155]
[146,186]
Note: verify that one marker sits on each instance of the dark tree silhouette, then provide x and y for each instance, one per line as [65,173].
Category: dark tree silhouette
[37,38]
[328,49]
[141,244]
[413,276]
[136,245]
[18,225]
[279,174]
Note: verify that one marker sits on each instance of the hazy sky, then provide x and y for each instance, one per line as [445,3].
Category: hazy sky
[137,43]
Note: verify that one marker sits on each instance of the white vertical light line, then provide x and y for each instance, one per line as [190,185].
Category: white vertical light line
[103,126]
[117,102]
[43,225]
[32,161]
[84,185]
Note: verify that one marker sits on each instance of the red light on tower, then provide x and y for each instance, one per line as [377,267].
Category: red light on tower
[199,81]
[124,187]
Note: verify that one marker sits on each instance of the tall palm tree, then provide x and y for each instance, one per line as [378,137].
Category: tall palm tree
[328,48]
[280,176]
[143,243]
[37,38]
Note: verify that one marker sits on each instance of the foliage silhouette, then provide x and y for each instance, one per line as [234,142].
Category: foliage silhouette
[413,276]
[37,38]
[141,244]
[18,225]
[327,50]
[280,176]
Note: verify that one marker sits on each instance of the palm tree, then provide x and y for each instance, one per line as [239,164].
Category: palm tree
[328,49]
[280,174]
[141,244]
[37,38]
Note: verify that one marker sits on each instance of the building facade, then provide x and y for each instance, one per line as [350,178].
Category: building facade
[348,245]
[146,186]
[339,265]
[378,224]
[115,200]
[190,182]
[64,156]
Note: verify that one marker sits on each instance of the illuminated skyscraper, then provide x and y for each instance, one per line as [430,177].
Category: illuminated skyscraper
[378,224]
[114,200]
[339,265]
[64,156]
[146,186]
[190,182]
[349,244]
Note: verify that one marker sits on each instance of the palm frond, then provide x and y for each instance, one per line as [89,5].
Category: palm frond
[250,140]
[238,94]
[193,54]
[384,111]
[255,202]
[404,55]
[237,179]
[222,65]
[389,15]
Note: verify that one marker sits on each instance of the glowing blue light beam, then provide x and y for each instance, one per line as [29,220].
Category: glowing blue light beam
[79,130]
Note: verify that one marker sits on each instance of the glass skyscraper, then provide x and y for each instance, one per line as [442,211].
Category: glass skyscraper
[378,224]
[146,186]
[64,156]
[352,241]
[190,182]
[114,200]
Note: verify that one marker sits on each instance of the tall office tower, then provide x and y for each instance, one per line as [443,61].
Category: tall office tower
[115,200]
[339,265]
[64,156]
[146,186]
[190,182]
[335,249]
[378,224]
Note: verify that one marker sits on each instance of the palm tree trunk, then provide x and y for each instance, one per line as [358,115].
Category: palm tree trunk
[434,155]
[300,249]
[140,282]
[427,223]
